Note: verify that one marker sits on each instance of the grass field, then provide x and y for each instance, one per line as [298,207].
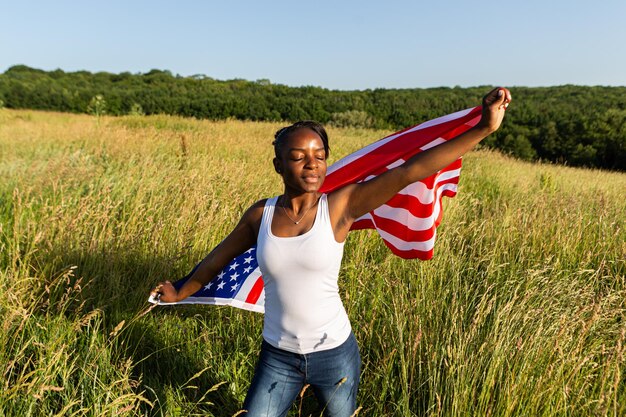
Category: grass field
[522,311]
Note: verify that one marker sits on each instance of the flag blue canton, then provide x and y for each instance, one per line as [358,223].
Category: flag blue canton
[229,281]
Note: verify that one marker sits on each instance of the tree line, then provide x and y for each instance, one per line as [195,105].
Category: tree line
[576,125]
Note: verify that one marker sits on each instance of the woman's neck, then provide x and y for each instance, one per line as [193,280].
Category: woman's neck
[298,203]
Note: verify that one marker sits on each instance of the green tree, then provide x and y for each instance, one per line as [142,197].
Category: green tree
[97,105]
[518,146]
[136,110]
[351,118]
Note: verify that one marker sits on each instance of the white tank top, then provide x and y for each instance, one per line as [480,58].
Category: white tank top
[303,310]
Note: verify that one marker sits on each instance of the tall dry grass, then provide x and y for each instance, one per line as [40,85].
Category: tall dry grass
[521,311]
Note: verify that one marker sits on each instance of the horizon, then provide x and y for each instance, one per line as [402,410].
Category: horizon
[207,76]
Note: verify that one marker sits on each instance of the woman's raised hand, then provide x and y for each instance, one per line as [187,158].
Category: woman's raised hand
[494,105]
[165,292]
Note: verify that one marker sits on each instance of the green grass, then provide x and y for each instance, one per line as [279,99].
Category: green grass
[520,312]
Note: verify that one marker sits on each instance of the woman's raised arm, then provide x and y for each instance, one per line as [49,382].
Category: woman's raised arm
[357,199]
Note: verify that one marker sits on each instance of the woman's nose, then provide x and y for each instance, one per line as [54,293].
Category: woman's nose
[311,163]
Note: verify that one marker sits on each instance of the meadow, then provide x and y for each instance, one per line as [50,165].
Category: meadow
[521,312]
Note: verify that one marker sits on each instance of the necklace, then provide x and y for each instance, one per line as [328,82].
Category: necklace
[305,212]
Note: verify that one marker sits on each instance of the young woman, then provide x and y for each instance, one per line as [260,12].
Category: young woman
[307,337]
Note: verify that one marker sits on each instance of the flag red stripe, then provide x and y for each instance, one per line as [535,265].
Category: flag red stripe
[255,292]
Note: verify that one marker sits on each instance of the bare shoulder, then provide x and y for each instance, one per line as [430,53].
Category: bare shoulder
[253,215]
[258,206]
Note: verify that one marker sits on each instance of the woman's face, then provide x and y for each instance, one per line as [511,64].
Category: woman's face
[302,162]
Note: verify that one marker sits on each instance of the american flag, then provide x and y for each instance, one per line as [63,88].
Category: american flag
[407,223]
[239,284]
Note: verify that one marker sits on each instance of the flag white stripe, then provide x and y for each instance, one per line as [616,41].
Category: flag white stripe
[247,285]
[403,245]
[434,143]
[259,307]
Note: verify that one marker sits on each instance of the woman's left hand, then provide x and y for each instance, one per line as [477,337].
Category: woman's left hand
[165,292]
[494,104]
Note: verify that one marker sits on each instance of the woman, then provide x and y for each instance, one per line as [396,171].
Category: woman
[307,338]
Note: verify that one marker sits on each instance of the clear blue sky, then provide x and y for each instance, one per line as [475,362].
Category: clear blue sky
[334,44]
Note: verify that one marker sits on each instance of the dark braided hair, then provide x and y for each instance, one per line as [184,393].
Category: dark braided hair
[282,134]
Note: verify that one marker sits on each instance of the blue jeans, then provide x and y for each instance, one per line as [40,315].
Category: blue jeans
[280,376]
